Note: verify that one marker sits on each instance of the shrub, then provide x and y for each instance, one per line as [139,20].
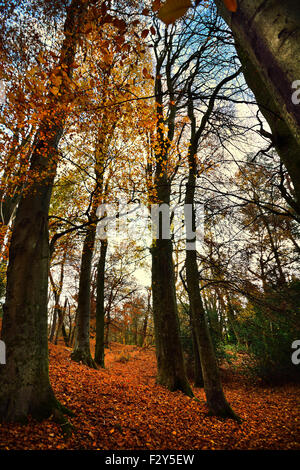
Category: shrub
[269,334]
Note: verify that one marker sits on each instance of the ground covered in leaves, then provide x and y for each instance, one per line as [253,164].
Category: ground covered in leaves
[121,407]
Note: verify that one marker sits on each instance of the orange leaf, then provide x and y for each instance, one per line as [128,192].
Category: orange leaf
[146,73]
[231,5]
[173,9]
[156,5]
[145,33]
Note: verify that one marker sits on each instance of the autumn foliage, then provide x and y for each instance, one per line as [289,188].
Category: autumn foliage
[155,342]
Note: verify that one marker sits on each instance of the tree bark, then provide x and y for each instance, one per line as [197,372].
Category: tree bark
[81,351]
[100,310]
[170,362]
[25,386]
[198,377]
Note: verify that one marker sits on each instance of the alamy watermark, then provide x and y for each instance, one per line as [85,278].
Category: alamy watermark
[160,221]
[2,353]
[2,92]
[296,94]
[296,354]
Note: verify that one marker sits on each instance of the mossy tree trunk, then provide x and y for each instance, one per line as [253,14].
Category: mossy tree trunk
[25,388]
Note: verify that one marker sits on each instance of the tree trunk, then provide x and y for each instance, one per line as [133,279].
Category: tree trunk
[53,324]
[82,352]
[25,386]
[216,401]
[64,333]
[267,37]
[72,331]
[143,333]
[82,342]
[100,311]
[108,321]
[170,362]
[198,377]
[24,381]
[57,289]
[60,326]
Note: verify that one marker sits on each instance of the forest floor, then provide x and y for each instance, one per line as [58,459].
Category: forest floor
[122,408]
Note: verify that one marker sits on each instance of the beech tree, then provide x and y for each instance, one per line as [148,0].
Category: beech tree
[25,386]
[216,401]
[168,52]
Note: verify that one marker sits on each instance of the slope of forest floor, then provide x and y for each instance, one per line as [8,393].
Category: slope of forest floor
[121,407]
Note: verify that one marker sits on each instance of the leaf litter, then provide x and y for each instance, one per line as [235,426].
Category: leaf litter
[122,407]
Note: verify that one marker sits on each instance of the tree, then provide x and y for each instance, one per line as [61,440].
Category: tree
[216,401]
[25,386]
[171,64]
[267,42]
[268,33]
[100,307]
[111,82]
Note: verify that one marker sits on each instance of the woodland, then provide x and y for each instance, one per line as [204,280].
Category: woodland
[149,224]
